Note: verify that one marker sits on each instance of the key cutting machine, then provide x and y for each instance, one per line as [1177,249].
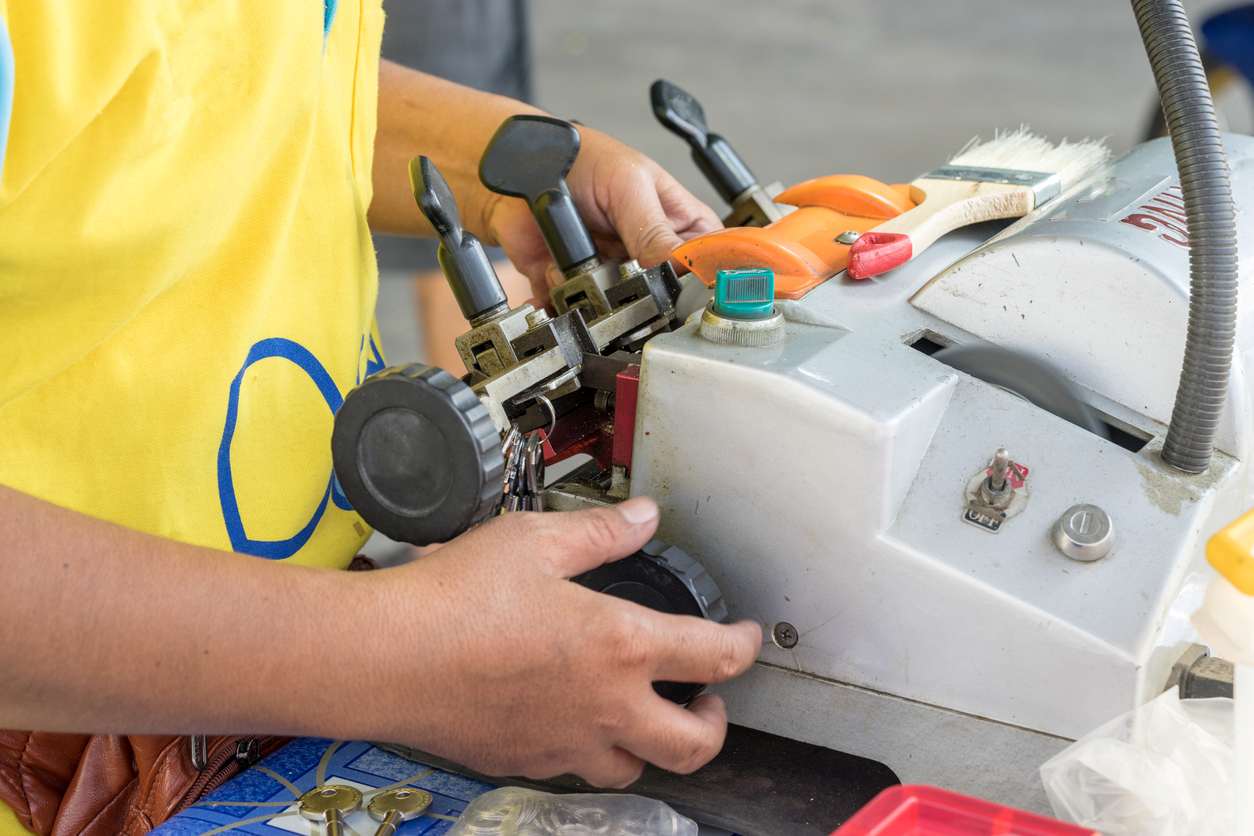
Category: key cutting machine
[963,496]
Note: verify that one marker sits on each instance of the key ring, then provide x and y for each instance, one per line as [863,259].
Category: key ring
[548,404]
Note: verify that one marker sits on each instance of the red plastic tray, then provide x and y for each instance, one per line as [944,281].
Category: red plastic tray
[930,811]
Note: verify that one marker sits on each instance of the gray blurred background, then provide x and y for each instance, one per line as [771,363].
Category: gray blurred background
[887,88]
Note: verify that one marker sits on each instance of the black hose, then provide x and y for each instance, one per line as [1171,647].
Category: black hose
[1204,179]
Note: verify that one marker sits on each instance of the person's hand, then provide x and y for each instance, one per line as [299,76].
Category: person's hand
[526,673]
[632,207]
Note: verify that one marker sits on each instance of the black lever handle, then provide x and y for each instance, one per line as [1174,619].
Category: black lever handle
[462,258]
[683,116]
[529,157]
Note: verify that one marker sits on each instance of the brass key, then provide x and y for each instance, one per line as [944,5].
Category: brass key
[393,807]
[329,804]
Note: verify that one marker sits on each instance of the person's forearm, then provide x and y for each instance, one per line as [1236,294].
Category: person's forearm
[451,124]
[482,652]
[108,630]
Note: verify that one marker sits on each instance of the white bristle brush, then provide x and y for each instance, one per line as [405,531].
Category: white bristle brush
[1007,177]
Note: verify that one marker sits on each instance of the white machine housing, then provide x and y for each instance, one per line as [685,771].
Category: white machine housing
[821,483]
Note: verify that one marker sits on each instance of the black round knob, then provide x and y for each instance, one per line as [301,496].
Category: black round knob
[666,579]
[417,454]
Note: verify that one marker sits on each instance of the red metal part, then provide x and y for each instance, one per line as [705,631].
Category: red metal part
[584,430]
[626,390]
[1017,476]
[588,430]
[546,446]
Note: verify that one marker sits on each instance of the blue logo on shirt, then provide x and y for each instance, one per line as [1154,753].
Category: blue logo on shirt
[6,88]
[328,15]
[303,359]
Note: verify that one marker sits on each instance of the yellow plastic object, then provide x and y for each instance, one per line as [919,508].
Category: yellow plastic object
[1231,552]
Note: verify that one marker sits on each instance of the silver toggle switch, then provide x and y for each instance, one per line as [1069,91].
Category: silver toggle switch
[996,490]
[996,493]
[1084,533]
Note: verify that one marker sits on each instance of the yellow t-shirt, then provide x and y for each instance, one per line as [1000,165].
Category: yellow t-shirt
[187,282]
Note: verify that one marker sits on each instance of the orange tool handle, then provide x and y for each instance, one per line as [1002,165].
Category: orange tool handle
[802,247]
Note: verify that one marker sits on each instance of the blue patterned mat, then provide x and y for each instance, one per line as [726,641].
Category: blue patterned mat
[263,799]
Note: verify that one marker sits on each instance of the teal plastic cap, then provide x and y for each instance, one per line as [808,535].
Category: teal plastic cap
[745,294]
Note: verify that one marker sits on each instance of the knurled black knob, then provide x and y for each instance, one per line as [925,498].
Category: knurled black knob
[663,578]
[467,267]
[529,157]
[681,114]
[417,454]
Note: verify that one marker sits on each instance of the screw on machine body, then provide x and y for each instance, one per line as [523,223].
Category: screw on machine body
[1085,533]
[784,635]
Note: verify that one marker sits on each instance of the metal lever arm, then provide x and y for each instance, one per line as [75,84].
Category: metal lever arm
[529,157]
[683,116]
[462,258]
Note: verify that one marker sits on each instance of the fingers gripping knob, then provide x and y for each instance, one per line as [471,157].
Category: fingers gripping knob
[529,157]
[465,264]
[417,454]
[663,578]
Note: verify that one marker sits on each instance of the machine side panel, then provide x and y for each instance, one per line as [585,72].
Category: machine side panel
[782,470]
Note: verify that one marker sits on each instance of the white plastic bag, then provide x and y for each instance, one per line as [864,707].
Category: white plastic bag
[512,811]
[1164,769]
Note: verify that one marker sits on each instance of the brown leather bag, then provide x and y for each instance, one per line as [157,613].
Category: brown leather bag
[118,785]
[111,785]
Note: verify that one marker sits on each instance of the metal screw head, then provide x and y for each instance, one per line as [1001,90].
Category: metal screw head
[784,635]
[329,799]
[1085,533]
[407,802]
[848,236]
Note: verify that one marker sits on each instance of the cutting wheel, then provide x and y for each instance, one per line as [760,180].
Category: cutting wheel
[1028,377]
